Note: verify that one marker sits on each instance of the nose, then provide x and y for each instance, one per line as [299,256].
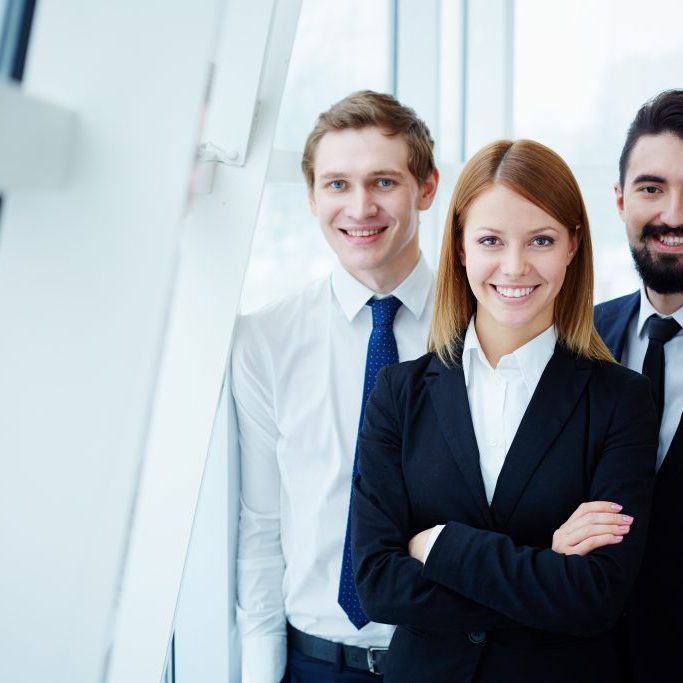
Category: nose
[673,212]
[361,204]
[513,263]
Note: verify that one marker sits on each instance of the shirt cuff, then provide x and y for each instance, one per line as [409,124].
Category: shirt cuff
[432,540]
[264,659]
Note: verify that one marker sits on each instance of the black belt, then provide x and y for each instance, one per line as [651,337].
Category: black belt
[365,658]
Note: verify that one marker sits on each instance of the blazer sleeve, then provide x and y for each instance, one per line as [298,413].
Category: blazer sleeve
[550,591]
[390,583]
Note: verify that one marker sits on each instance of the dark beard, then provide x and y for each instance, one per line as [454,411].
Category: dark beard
[662,273]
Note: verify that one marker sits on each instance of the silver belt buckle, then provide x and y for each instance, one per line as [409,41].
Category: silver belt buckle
[371,658]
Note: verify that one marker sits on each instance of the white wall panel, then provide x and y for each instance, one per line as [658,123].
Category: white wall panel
[213,256]
[86,275]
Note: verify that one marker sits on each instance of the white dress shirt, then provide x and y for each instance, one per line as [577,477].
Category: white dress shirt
[633,356]
[297,377]
[498,399]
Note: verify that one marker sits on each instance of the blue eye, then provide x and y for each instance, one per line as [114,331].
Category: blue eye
[489,241]
[543,241]
[385,182]
[337,184]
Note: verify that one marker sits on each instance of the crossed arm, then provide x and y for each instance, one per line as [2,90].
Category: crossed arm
[592,525]
[544,588]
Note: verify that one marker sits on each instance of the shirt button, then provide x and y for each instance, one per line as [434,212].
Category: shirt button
[477,637]
[494,443]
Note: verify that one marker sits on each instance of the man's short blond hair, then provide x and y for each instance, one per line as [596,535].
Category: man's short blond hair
[366,108]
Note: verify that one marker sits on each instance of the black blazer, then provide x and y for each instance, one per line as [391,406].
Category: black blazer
[494,602]
[655,610]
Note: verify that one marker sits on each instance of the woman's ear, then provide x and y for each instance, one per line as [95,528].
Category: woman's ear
[574,242]
[459,249]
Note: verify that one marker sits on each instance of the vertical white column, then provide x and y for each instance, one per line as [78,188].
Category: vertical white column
[240,126]
[489,72]
[418,81]
[86,277]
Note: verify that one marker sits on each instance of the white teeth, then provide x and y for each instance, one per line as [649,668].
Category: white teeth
[671,240]
[514,292]
[363,233]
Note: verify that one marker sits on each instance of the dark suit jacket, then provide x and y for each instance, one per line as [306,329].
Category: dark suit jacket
[655,611]
[493,601]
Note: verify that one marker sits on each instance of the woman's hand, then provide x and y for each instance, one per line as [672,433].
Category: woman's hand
[593,525]
[418,543]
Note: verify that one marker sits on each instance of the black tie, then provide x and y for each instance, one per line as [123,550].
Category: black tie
[660,331]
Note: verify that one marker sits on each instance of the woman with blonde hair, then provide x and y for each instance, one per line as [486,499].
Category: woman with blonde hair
[473,455]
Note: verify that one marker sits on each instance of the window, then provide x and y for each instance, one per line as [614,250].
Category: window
[339,48]
[15,25]
[581,71]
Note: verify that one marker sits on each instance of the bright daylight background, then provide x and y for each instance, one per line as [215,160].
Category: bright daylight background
[579,71]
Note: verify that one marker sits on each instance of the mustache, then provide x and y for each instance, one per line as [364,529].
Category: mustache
[653,230]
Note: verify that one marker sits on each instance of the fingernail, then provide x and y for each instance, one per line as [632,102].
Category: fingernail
[624,528]
[615,506]
[618,539]
[627,519]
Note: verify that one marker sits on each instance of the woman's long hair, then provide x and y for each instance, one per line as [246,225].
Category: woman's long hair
[539,175]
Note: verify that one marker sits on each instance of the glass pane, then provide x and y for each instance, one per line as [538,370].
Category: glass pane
[15,25]
[289,249]
[582,69]
[339,47]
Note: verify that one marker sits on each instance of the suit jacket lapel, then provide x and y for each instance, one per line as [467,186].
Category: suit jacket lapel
[556,395]
[673,462]
[448,392]
[613,325]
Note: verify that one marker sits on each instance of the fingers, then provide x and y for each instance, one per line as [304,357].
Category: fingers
[594,542]
[583,533]
[595,519]
[595,506]
[593,525]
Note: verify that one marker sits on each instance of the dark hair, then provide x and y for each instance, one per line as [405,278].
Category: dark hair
[367,108]
[661,114]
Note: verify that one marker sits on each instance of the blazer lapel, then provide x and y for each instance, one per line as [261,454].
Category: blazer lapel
[613,324]
[673,462]
[558,391]
[448,392]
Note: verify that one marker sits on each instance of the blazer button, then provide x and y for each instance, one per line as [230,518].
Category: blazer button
[477,637]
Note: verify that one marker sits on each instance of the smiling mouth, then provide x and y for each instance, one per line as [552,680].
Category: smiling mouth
[363,232]
[670,239]
[514,292]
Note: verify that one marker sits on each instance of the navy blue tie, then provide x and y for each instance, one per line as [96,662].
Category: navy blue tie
[382,350]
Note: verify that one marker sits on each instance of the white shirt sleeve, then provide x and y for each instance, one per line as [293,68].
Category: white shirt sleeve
[432,540]
[260,564]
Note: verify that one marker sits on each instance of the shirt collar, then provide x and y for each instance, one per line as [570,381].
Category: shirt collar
[647,309]
[531,358]
[413,292]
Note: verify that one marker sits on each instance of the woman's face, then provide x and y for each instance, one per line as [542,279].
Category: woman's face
[516,256]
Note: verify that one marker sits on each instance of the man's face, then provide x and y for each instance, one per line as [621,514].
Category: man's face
[368,202]
[651,206]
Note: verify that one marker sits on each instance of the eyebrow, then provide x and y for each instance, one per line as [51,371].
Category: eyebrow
[388,173]
[648,178]
[381,173]
[535,231]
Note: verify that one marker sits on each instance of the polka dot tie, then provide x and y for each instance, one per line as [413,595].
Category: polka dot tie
[382,350]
